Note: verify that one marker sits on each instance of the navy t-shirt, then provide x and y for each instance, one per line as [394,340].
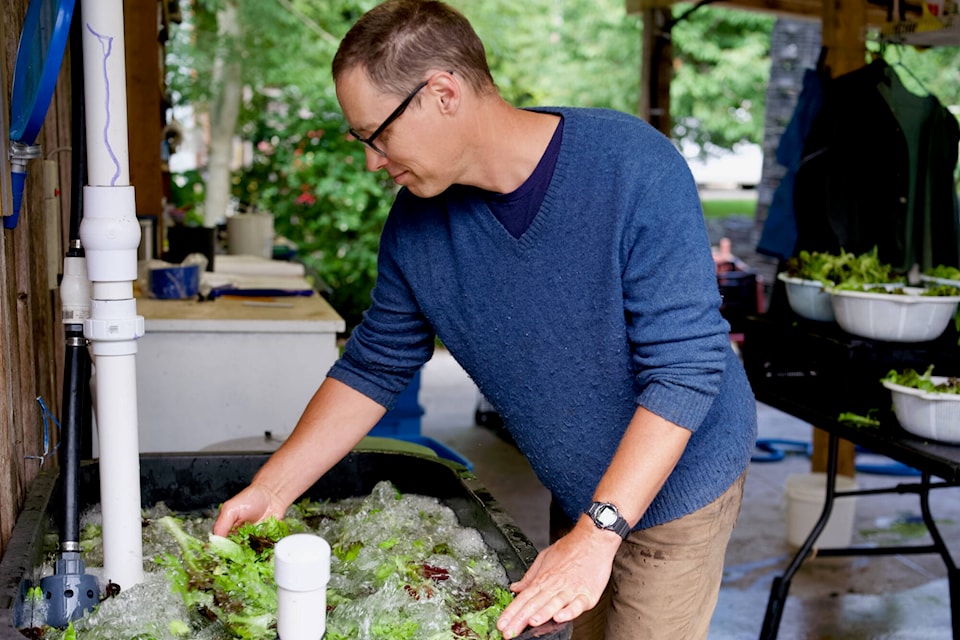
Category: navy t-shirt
[517,209]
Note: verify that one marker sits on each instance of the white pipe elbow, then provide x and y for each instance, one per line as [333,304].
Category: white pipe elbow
[110,233]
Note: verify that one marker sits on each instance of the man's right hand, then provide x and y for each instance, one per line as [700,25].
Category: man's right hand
[253,504]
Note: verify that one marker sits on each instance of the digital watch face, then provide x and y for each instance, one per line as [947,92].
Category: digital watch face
[606,516]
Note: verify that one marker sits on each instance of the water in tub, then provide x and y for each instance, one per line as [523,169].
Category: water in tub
[402,567]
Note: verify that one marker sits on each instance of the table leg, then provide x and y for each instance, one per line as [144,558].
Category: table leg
[953,576]
[781,584]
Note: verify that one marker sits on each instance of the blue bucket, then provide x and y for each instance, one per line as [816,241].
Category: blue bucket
[175,283]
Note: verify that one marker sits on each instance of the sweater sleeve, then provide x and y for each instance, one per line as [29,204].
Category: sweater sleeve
[394,339]
[679,341]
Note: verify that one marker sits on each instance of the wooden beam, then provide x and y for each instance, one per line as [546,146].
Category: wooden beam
[141,22]
[796,9]
[656,69]
[844,36]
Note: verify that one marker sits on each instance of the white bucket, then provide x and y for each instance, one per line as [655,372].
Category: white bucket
[250,234]
[805,496]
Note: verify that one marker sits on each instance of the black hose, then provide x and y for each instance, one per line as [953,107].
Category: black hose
[78,163]
[76,420]
[76,376]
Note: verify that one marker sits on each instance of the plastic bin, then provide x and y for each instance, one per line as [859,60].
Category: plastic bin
[437,447]
[739,292]
[404,419]
[189,482]
[805,494]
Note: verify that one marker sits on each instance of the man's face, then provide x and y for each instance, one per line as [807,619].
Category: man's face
[409,147]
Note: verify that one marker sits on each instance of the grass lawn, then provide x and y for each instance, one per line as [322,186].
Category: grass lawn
[717,208]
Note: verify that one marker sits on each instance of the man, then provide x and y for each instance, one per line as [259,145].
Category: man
[561,257]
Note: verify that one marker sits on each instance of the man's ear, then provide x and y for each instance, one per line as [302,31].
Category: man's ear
[447,91]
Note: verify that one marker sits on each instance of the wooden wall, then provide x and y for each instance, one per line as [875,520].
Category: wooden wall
[30,333]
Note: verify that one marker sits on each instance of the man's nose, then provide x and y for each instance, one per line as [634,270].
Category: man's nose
[375,161]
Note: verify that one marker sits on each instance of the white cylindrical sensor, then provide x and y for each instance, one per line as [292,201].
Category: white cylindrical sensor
[301,569]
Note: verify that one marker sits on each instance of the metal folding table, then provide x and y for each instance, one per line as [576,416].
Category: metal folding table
[814,371]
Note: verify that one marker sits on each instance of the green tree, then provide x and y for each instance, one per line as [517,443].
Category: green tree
[307,172]
[561,52]
[588,53]
[304,169]
[721,69]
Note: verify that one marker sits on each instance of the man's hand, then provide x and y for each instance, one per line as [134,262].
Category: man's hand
[566,579]
[253,504]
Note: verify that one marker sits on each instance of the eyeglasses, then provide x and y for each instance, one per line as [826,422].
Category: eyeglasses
[386,123]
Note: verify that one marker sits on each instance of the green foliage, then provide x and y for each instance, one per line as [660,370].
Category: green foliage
[721,69]
[539,55]
[312,178]
[304,169]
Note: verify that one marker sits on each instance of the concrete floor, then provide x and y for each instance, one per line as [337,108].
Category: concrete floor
[890,597]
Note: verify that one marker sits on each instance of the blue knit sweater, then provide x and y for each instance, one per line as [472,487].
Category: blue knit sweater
[607,301]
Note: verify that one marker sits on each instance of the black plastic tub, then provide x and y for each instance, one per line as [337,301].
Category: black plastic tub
[198,481]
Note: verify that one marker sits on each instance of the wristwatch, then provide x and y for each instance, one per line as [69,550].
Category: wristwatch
[606,516]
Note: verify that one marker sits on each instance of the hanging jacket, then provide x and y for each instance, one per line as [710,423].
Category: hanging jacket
[779,236]
[866,180]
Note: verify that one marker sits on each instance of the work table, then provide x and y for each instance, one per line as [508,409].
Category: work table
[214,371]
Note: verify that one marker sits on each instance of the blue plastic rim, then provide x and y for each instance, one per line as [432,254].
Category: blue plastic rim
[43,40]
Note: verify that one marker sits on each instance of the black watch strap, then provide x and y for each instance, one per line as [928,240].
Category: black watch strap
[606,516]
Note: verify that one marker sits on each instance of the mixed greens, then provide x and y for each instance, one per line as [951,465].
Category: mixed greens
[402,568]
[844,271]
[943,272]
[923,381]
[944,290]
[864,272]
[857,420]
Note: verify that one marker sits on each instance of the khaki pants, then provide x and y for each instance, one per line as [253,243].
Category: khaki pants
[665,580]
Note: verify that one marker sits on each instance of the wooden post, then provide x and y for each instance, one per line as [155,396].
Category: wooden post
[843,35]
[141,21]
[656,69]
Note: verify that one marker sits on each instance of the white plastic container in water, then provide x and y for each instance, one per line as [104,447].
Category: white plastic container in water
[805,496]
[301,569]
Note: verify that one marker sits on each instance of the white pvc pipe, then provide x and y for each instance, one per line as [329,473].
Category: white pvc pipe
[110,235]
[301,569]
[105,97]
[119,501]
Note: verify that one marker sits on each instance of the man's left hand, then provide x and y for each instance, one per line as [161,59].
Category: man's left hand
[566,579]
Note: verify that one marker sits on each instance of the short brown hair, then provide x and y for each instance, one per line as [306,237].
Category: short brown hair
[398,42]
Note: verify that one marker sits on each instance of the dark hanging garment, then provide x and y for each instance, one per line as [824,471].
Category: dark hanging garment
[779,236]
[878,170]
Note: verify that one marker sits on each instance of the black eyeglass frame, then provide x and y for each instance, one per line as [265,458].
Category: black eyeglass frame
[386,123]
[368,142]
